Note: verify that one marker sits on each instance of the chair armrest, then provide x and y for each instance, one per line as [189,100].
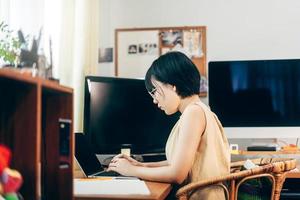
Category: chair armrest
[183,195]
[231,176]
[185,190]
[272,167]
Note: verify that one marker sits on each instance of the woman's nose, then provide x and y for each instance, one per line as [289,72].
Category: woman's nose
[155,101]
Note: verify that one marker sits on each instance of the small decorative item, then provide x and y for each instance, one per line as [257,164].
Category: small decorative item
[105,55]
[10,180]
[234,148]
[203,84]
[125,149]
[29,56]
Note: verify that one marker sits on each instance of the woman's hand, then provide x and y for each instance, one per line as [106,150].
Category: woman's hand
[131,160]
[122,166]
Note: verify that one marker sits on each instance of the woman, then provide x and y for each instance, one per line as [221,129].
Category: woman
[197,147]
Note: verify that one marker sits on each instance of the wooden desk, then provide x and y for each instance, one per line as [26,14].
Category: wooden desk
[159,191]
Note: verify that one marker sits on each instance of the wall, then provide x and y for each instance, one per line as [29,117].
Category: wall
[33,16]
[26,15]
[235,29]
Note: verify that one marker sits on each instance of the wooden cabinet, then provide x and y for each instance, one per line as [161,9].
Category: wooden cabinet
[30,110]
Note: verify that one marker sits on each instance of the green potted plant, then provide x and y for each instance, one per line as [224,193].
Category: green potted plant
[9,45]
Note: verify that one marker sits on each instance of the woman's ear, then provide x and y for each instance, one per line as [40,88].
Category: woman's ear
[174,88]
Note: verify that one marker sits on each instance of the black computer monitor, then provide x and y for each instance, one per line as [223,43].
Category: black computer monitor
[259,97]
[120,111]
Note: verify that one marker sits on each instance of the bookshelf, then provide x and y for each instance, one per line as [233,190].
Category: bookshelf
[30,109]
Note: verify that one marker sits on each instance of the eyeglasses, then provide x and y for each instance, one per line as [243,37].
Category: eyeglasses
[152,92]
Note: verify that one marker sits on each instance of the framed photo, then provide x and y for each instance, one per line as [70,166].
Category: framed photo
[171,38]
[105,55]
[132,49]
[192,43]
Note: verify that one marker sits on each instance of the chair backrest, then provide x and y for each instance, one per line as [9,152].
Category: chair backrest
[272,170]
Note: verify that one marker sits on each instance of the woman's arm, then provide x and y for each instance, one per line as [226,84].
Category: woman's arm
[192,126]
[137,163]
[155,164]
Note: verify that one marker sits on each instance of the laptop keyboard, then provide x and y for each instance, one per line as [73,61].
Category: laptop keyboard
[108,173]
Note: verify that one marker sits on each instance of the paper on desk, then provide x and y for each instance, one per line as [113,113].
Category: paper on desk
[110,187]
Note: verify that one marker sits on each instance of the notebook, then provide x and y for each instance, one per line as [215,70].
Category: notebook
[88,161]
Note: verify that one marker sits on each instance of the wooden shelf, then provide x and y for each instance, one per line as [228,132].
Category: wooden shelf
[30,108]
[241,152]
[17,75]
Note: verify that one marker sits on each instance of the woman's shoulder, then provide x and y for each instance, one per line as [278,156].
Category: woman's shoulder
[193,111]
[193,120]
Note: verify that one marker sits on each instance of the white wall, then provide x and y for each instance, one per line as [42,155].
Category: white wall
[26,15]
[31,16]
[236,29]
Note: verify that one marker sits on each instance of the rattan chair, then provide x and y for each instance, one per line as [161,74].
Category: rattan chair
[274,169]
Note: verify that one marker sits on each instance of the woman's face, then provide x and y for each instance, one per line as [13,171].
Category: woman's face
[165,96]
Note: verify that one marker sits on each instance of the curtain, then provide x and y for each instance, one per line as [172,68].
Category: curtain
[86,40]
[78,46]
[4,11]
[73,28]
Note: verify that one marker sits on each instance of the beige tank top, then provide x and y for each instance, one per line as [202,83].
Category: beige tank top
[212,157]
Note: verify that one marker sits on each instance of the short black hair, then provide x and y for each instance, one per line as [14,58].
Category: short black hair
[176,69]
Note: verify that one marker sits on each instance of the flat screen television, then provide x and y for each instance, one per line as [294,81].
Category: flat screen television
[119,111]
[256,98]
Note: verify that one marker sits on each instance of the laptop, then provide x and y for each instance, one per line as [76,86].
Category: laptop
[88,161]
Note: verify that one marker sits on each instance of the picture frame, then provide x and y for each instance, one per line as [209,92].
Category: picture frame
[137,48]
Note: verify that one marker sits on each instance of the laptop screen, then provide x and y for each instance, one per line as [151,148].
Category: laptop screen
[86,158]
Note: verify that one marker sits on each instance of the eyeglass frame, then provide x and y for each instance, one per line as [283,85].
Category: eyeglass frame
[152,93]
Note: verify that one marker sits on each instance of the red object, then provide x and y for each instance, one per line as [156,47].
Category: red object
[12,180]
[4,158]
